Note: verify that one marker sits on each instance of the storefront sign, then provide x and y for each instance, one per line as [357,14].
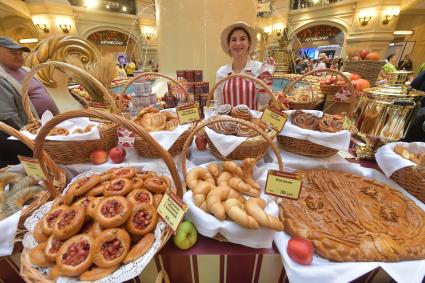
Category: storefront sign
[315,38]
[108,37]
[283,184]
[274,119]
[112,42]
[171,209]
[188,113]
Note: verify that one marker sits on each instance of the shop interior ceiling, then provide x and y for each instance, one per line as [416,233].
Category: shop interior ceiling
[119,6]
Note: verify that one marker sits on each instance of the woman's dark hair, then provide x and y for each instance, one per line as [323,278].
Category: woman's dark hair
[238,28]
[390,56]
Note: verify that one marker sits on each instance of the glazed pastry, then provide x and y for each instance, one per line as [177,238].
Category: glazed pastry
[80,187]
[330,123]
[58,132]
[153,122]
[118,187]
[124,173]
[224,109]
[98,190]
[84,203]
[139,249]
[92,228]
[75,255]
[142,220]
[244,131]
[351,218]
[49,220]
[140,196]
[255,208]
[112,211]
[111,247]
[107,175]
[241,111]
[52,247]
[91,209]
[235,210]
[304,120]
[156,185]
[69,222]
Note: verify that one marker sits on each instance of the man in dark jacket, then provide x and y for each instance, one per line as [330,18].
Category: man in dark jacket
[416,130]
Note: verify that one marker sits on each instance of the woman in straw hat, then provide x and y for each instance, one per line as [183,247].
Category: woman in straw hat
[239,41]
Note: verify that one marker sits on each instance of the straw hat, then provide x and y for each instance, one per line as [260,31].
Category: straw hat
[251,31]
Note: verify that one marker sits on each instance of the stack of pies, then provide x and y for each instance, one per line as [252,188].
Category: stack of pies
[351,218]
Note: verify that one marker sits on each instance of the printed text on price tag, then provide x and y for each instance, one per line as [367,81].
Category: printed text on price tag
[32,167]
[274,119]
[171,209]
[188,114]
[283,184]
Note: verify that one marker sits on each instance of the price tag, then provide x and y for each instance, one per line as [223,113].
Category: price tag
[283,184]
[172,209]
[346,125]
[188,113]
[125,137]
[32,167]
[274,119]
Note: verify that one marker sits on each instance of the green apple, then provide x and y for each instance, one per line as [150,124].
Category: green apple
[186,235]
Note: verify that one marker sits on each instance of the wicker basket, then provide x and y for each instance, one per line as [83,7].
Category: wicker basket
[412,179]
[308,148]
[141,145]
[55,183]
[70,152]
[330,89]
[28,272]
[367,69]
[255,147]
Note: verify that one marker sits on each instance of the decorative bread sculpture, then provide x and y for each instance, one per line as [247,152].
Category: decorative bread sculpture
[351,218]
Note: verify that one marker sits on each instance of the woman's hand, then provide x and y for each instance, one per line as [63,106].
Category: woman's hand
[270,61]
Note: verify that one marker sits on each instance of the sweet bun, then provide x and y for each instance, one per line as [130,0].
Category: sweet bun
[139,249]
[111,247]
[241,111]
[153,122]
[75,255]
[224,109]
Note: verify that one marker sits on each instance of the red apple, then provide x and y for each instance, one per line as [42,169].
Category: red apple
[363,53]
[201,142]
[355,77]
[300,250]
[117,154]
[98,156]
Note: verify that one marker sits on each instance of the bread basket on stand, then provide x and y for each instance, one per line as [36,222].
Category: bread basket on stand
[71,152]
[140,144]
[412,179]
[255,147]
[269,141]
[55,182]
[309,104]
[308,148]
[31,273]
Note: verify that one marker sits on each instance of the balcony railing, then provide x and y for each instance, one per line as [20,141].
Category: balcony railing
[300,4]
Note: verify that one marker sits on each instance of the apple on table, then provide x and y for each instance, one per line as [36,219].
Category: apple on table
[300,250]
[186,235]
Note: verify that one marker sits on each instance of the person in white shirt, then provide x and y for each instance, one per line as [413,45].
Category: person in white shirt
[320,64]
[239,41]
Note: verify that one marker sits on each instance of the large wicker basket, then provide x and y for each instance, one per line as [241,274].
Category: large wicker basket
[31,274]
[55,183]
[255,147]
[367,69]
[140,144]
[70,152]
[412,179]
[308,148]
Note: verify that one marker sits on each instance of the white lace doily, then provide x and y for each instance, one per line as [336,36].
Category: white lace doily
[125,272]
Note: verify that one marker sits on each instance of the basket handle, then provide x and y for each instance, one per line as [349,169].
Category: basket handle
[127,85]
[349,84]
[251,78]
[47,164]
[67,68]
[217,119]
[162,277]
[44,131]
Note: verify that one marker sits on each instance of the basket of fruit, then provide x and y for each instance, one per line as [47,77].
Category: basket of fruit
[159,123]
[366,64]
[21,192]
[105,225]
[73,151]
[331,85]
